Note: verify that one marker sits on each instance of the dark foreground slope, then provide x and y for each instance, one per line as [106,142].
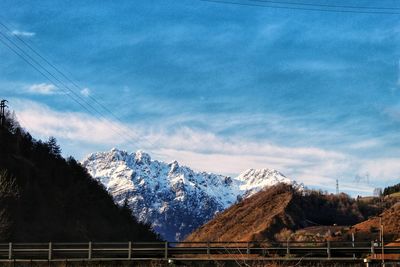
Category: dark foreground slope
[278,211]
[44,197]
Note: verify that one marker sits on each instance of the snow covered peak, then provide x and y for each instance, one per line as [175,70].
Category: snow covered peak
[142,157]
[173,198]
[262,176]
[174,166]
[254,180]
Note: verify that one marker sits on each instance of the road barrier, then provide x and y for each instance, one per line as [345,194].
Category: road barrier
[139,251]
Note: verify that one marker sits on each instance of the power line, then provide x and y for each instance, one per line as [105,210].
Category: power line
[49,79]
[58,84]
[299,8]
[38,70]
[127,132]
[325,5]
[60,72]
[37,53]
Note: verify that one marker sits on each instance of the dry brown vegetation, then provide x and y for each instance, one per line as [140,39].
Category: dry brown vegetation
[252,219]
[370,228]
[280,213]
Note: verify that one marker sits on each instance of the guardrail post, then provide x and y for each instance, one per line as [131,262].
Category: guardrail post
[90,251]
[50,250]
[208,249]
[287,248]
[353,244]
[166,250]
[328,248]
[372,247]
[248,248]
[10,250]
[129,250]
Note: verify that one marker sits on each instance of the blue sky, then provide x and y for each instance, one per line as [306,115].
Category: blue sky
[218,87]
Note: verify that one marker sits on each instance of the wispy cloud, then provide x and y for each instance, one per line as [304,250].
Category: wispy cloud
[42,88]
[85,92]
[385,169]
[365,144]
[393,112]
[44,122]
[204,150]
[23,33]
[315,65]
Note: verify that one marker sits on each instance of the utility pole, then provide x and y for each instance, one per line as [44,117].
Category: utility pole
[3,111]
[337,186]
[382,243]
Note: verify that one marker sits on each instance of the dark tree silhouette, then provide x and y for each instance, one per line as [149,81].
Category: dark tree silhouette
[9,194]
[44,197]
[53,146]
[391,189]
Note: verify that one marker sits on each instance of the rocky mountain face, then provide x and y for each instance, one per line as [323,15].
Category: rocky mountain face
[174,199]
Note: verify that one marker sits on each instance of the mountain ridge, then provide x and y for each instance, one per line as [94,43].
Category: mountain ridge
[275,214]
[173,198]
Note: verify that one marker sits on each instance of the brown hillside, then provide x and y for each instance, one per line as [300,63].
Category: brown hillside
[369,229]
[276,212]
[252,219]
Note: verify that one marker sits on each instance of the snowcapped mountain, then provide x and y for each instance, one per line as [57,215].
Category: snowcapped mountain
[252,181]
[174,199]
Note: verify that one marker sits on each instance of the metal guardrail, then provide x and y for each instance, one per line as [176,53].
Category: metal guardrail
[100,251]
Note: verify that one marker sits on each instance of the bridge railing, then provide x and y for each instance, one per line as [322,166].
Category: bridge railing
[207,250]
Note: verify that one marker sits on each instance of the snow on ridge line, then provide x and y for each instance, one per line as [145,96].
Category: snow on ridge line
[245,184]
[173,198]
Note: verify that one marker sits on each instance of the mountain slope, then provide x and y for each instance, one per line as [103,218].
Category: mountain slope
[44,197]
[173,198]
[369,229]
[252,219]
[277,211]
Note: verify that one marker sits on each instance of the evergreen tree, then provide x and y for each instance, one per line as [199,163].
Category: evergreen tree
[391,189]
[53,146]
[44,197]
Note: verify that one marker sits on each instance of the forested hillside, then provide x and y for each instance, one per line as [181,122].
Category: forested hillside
[44,197]
[391,189]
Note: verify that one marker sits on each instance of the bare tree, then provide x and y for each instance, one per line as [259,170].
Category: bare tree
[377,192]
[8,195]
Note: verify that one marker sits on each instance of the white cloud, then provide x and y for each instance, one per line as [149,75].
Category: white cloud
[85,92]
[384,169]
[23,33]
[43,122]
[42,88]
[365,144]
[359,188]
[206,151]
